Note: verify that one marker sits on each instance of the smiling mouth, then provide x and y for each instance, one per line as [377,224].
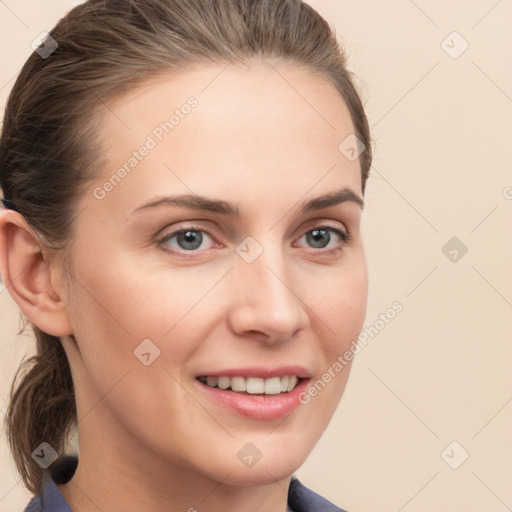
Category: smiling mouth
[253,385]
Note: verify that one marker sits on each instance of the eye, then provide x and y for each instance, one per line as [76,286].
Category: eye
[188,240]
[325,237]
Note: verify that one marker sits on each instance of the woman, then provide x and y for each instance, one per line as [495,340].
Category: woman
[183,185]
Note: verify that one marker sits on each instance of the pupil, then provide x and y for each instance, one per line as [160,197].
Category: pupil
[190,239]
[319,238]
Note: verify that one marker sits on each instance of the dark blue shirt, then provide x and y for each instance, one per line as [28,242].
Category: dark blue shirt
[300,498]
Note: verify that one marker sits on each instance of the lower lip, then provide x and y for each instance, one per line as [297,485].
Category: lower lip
[261,407]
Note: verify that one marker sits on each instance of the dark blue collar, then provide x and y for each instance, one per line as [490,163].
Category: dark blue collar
[49,500]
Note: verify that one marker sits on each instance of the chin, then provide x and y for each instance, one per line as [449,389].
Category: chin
[261,474]
[252,466]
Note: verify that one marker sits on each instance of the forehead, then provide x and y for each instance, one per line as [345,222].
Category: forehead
[228,129]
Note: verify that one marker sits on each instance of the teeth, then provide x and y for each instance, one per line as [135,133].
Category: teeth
[273,386]
[212,381]
[292,382]
[224,382]
[253,385]
[238,384]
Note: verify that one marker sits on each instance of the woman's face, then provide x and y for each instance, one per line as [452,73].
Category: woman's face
[207,254]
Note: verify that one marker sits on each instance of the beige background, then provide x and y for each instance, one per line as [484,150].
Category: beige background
[441,370]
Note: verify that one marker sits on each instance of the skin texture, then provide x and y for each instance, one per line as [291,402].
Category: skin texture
[264,137]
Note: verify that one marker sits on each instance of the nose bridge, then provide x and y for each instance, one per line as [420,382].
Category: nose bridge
[266,301]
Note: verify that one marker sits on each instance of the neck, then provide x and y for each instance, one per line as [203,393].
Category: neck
[110,477]
[86,494]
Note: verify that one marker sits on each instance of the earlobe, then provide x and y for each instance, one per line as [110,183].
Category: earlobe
[27,275]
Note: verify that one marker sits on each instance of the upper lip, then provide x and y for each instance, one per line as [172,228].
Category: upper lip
[262,372]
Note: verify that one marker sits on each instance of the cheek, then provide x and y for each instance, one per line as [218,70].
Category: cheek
[341,305]
[119,306]
[138,298]
[116,308]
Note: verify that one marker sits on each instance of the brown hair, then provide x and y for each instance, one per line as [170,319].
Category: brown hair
[48,151]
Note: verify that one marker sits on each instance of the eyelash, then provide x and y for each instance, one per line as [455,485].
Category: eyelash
[345,237]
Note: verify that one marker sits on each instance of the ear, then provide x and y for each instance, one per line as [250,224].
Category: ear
[28,276]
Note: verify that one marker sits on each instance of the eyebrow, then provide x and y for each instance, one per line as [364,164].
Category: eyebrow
[332,199]
[195,202]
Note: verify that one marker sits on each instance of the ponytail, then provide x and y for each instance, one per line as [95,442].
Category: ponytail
[41,408]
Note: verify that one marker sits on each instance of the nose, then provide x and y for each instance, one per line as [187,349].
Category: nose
[266,306]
